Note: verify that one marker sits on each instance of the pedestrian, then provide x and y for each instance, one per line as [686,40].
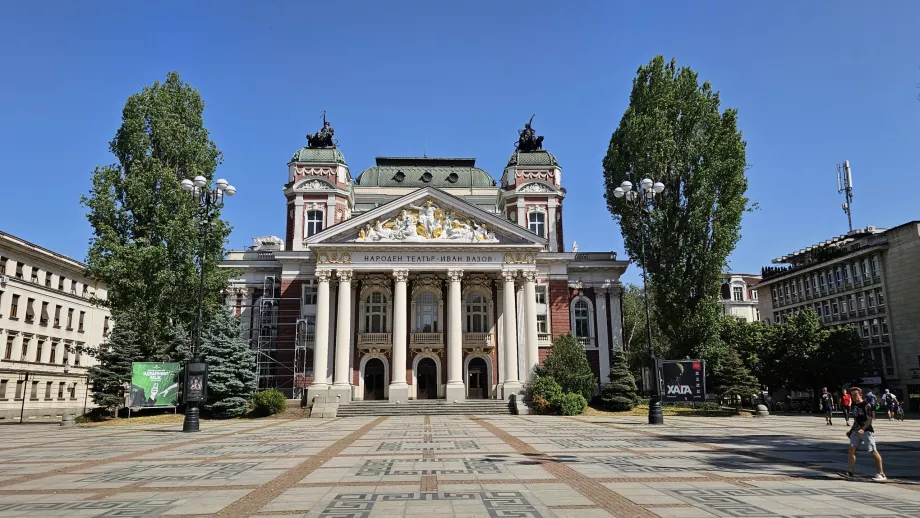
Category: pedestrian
[891,404]
[847,401]
[871,398]
[863,433]
[827,404]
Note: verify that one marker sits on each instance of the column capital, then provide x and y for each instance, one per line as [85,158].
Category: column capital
[509,275]
[323,275]
[529,275]
[455,275]
[401,275]
[344,275]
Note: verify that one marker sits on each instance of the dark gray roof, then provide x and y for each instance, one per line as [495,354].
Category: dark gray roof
[323,155]
[532,158]
[418,172]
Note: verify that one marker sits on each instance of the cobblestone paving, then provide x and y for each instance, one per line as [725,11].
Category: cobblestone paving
[463,466]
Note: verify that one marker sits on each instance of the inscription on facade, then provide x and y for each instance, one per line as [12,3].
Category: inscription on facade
[429,259]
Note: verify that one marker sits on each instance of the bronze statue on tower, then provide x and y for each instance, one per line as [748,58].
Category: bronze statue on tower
[528,140]
[323,137]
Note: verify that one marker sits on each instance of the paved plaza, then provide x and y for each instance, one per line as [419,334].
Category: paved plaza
[509,466]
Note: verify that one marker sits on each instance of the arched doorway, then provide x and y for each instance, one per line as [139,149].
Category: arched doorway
[477,379]
[374,379]
[426,376]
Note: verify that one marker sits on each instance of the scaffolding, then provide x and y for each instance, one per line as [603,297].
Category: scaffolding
[277,360]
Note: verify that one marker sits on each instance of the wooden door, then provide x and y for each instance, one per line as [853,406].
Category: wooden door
[477,379]
[426,377]
[373,380]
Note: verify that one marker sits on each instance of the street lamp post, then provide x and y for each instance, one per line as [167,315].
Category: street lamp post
[208,200]
[642,200]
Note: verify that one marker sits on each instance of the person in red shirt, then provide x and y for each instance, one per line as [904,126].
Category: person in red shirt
[847,401]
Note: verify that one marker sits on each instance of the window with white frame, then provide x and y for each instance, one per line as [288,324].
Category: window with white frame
[536,222]
[753,294]
[581,321]
[542,325]
[542,312]
[737,293]
[427,313]
[477,312]
[309,293]
[314,222]
[375,312]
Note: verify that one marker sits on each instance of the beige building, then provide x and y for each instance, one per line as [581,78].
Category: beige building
[739,296]
[867,278]
[47,321]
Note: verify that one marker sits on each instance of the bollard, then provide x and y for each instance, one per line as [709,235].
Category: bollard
[67,420]
[762,411]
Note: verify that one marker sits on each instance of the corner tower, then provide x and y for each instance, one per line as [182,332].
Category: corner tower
[318,190]
[532,190]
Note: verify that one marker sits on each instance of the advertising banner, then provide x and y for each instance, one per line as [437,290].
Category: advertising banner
[154,384]
[683,380]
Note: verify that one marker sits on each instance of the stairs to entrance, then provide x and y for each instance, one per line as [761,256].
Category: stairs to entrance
[425,407]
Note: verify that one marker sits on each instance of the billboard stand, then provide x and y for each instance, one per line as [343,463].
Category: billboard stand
[153,385]
[683,380]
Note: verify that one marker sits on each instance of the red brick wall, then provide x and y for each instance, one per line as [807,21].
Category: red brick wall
[289,311]
[559,297]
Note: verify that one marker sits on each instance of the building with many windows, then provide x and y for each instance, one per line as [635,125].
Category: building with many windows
[47,322]
[867,278]
[422,278]
[739,296]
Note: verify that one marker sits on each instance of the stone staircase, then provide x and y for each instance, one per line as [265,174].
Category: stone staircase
[425,407]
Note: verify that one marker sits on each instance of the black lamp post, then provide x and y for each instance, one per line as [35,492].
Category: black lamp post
[196,371]
[642,201]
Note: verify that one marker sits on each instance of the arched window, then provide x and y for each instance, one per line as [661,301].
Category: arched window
[426,313]
[477,312]
[375,312]
[537,223]
[314,222]
[582,321]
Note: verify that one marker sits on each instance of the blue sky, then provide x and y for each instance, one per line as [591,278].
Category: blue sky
[815,83]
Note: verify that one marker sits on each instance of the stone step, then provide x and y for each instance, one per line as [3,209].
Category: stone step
[424,407]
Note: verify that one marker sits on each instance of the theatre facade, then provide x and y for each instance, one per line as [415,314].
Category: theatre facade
[422,278]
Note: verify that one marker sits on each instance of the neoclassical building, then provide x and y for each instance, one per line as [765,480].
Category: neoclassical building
[421,278]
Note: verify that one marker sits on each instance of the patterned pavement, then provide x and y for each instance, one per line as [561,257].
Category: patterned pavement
[463,466]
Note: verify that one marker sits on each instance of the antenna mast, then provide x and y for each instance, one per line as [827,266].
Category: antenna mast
[845,186]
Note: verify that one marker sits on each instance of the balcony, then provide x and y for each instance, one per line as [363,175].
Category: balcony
[543,340]
[307,340]
[426,340]
[586,342]
[481,340]
[375,340]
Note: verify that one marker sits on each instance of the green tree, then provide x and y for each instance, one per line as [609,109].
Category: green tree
[145,228]
[635,334]
[753,342]
[113,370]
[674,132]
[621,394]
[231,365]
[568,365]
[736,381]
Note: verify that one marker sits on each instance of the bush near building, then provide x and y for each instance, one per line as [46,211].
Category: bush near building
[568,365]
[268,402]
[621,394]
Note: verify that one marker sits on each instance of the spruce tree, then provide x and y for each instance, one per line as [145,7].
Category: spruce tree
[621,394]
[115,356]
[568,364]
[736,381]
[231,365]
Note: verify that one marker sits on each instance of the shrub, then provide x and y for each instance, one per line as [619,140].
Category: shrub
[545,387]
[570,404]
[620,394]
[269,402]
[568,364]
[541,406]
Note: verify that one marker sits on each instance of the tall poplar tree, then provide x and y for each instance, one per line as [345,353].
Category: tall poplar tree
[146,229]
[674,132]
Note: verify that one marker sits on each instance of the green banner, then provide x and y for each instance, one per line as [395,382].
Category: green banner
[154,384]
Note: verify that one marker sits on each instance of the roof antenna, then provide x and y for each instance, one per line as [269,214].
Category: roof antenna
[425,155]
[845,186]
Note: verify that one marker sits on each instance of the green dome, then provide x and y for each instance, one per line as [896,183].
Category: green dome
[442,173]
[532,158]
[324,155]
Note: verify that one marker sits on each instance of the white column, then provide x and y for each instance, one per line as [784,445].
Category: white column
[320,385]
[551,226]
[456,390]
[603,347]
[530,323]
[512,383]
[399,389]
[298,223]
[342,385]
[616,320]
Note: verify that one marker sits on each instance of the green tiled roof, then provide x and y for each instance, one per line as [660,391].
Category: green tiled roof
[532,158]
[418,172]
[325,155]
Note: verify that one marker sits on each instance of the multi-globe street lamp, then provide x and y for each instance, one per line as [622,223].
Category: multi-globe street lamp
[196,369]
[642,200]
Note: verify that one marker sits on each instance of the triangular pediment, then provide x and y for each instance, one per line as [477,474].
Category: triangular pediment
[427,216]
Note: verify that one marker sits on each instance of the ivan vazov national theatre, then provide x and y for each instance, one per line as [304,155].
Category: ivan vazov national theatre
[423,278]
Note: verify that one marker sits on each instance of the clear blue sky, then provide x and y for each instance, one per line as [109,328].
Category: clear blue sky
[815,83]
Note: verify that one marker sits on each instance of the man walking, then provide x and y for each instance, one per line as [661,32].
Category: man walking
[847,401]
[863,433]
[827,404]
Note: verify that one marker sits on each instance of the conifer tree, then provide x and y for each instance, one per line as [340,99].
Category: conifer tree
[736,381]
[621,394]
[109,376]
[231,365]
[568,365]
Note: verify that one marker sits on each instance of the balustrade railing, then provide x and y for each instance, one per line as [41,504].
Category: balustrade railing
[426,339]
[478,340]
[375,340]
[543,339]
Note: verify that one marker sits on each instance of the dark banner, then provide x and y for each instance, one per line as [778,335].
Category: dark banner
[683,380]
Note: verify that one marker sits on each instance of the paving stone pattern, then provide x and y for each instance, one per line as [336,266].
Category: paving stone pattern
[462,466]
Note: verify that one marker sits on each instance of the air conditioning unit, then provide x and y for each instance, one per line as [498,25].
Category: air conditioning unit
[4,279]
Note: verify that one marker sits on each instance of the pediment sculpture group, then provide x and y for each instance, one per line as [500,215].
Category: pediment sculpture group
[426,223]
